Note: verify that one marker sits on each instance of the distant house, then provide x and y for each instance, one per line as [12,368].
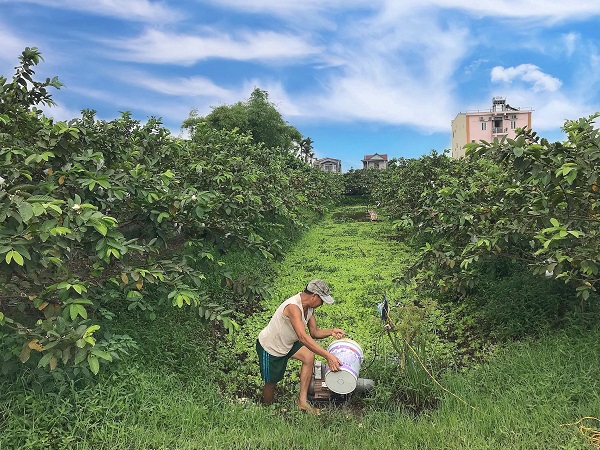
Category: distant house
[375,161]
[501,120]
[329,164]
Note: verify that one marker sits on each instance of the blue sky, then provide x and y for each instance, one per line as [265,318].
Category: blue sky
[357,76]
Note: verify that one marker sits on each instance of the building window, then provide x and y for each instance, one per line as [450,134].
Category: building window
[483,126]
[513,124]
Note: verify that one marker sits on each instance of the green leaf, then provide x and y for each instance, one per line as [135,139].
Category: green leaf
[38,209]
[162,216]
[45,360]
[90,330]
[104,183]
[79,288]
[63,285]
[94,364]
[60,231]
[77,310]
[25,211]
[101,228]
[51,345]
[55,208]
[80,356]
[66,354]
[14,255]
[102,354]
[25,354]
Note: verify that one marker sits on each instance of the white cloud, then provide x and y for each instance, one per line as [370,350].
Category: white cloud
[529,74]
[133,10]
[12,46]
[475,65]
[570,42]
[178,86]
[586,75]
[292,9]
[157,46]
[392,75]
[552,10]
[172,109]
[527,9]
[60,113]
[200,89]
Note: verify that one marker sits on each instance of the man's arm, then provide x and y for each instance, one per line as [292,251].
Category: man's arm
[295,315]
[318,333]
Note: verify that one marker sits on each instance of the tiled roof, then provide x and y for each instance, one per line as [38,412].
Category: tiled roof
[384,156]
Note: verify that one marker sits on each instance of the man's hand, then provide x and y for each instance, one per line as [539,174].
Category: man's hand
[333,362]
[337,333]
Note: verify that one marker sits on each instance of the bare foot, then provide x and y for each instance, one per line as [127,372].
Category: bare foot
[309,409]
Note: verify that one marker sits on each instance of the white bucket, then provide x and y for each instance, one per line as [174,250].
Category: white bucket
[351,355]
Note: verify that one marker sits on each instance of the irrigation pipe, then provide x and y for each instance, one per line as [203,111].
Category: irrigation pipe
[592,434]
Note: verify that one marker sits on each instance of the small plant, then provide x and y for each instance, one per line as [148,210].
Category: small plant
[404,323]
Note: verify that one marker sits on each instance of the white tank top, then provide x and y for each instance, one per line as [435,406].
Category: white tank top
[278,337]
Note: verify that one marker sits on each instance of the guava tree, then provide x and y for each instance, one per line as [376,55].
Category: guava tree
[98,216]
[524,199]
[555,193]
[89,214]
[362,181]
[400,187]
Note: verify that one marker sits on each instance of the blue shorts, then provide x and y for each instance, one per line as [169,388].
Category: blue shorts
[272,367]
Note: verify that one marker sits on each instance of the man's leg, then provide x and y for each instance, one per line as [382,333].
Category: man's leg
[307,358]
[268,393]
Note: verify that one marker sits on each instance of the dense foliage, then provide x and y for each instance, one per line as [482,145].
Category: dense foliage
[361,181]
[401,188]
[521,199]
[258,118]
[98,217]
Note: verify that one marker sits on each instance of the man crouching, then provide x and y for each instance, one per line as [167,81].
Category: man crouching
[285,337]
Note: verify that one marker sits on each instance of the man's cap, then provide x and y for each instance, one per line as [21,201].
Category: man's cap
[320,288]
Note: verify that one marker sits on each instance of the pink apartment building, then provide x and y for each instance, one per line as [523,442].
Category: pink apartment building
[487,124]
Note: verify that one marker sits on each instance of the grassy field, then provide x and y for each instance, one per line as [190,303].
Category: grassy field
[180,391]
